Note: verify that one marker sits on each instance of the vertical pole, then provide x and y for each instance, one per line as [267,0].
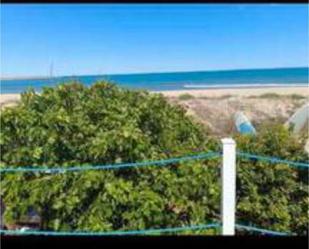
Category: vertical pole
[228,192]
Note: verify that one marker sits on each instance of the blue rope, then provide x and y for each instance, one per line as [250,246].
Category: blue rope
[261,230]
[112,166]
[132,232]
[139,232]
[274,160]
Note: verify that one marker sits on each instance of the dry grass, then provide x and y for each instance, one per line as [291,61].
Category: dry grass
[186,96]
[217,113]
[277,96]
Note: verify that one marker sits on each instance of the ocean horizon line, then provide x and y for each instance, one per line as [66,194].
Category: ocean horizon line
[12,78]
[173,80]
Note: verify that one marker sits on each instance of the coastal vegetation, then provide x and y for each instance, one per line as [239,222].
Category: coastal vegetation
[73,125]
[277,96]
[185,96]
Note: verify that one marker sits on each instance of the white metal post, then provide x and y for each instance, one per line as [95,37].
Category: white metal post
[228,178]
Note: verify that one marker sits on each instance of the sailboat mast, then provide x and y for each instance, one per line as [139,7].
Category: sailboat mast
[51,70]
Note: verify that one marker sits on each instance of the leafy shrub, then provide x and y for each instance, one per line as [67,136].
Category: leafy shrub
[225,96]
[268,96]
[74,125]
[274,196]
[297,96]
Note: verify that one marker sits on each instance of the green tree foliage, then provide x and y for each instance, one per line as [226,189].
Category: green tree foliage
[273,196]
[72,125]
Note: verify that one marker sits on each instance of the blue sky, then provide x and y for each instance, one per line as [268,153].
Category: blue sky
[100,39]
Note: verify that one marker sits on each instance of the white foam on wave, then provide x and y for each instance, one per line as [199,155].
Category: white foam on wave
[243,85]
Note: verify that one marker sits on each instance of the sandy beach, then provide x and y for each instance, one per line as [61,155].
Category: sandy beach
[215,108]
[9,99]
[304,91]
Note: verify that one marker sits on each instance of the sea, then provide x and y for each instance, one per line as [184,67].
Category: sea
[176,80]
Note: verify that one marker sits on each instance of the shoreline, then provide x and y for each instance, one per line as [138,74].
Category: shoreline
[242,86]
